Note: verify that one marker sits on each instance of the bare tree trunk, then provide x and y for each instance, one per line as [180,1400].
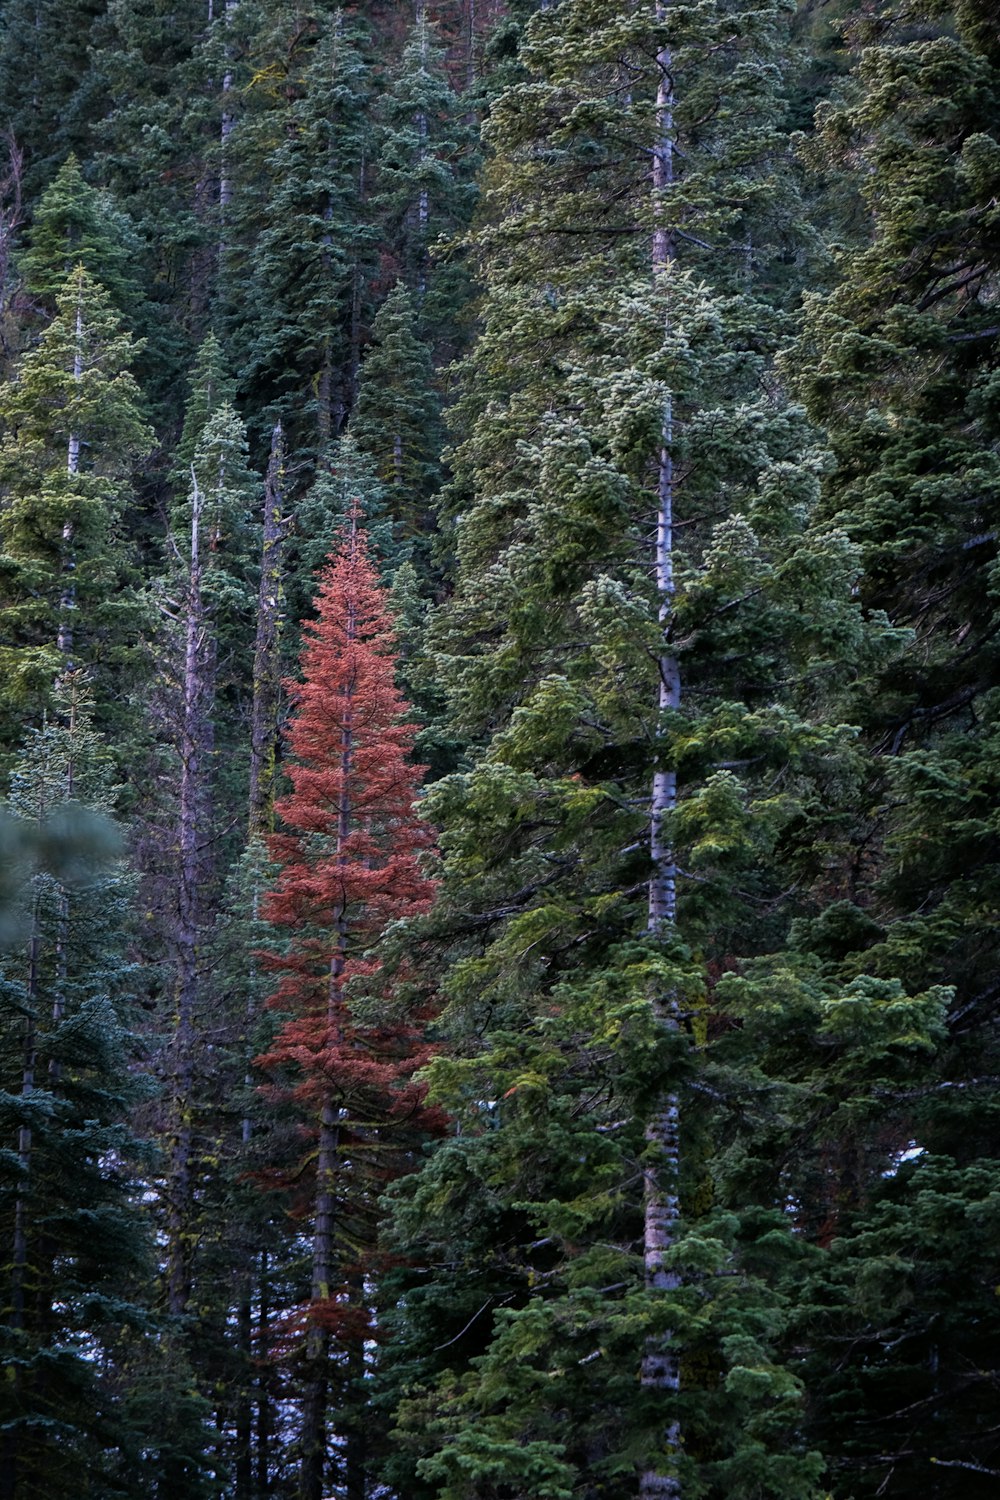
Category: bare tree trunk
[265,1380]
[225,130]
[243,1466]
[267,648]
[197,696]
[423,201]
[11,214]
[67,563]
[354,354]
[314,1421]
[660,1365]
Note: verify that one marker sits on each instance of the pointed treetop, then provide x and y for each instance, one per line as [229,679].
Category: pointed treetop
[78,225]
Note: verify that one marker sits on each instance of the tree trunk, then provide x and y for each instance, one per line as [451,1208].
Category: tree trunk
[265,1380]
[267,648]
[67,562]
[354,354]
[225,131]
[660,1365]
[197,695]
[314,1423]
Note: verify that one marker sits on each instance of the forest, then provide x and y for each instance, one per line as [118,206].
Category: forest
[499,750]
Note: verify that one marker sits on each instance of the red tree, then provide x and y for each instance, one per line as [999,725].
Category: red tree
[350,864]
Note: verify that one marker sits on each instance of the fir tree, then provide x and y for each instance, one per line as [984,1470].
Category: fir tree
[50,89]
[76,225]
[634,511]
[299,245]
[899,363]
[397,420]
[349,864]
[426,188]
[74,432]
[206,606]
[77,1252]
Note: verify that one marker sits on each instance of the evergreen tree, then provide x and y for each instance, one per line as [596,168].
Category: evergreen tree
[77,1250]
[73,433]
[899,363]
[426,185]
[397,421]
[299,246]
[154,146]
[349,864]
[206,606]
[50,90]
[76,225]
[634,513]
[212,385]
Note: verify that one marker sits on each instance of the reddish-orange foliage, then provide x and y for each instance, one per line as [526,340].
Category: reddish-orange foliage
[351,858]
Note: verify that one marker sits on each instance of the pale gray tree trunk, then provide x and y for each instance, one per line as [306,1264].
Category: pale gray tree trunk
[660,1365]
[226,127]
[67,561]
[197,694]
[423,201]
[11,214]
[357,290]
[267,646]
[19,1247]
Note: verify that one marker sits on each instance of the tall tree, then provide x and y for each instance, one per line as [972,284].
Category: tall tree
[397,419]
[899,362]
[634,506]
[350,863]
[75,224]
[50,89]
[206,605]
[77,1250]
[300,246]
[425,174]
[74,432]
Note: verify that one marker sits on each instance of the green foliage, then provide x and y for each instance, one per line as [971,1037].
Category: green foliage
[73,432]
[77,1247]
[397,419]
[299,245]
[425,186]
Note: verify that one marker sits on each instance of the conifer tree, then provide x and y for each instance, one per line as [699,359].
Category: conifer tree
[899,363]
[50,90]
[154,144]
[350,863]
[634,509]
[299,247]
[77,1251]
[426,187]
[76,225]
[73,433]
[397,420]
[206,607]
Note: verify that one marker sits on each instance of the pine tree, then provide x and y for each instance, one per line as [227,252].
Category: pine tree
[899,363]
[299,245]
[77,1252]
[76,225]
[634,511]
[397,420]
[425,173]
[349,864]
[74,432]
